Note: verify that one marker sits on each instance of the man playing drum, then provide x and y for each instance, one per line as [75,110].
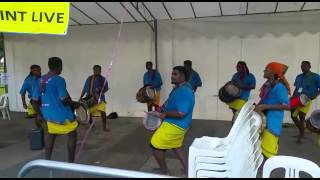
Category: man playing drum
[307,83]
[177,117]
[28,86]
[194,78]
[56,108]
[92,88]
[274,101]
[246,81]
[152,78]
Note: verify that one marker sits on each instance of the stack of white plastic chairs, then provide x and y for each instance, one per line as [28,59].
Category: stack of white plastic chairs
[238,155]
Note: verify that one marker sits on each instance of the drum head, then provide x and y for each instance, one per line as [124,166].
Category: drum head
[89,101]
[315,119]
[232,89]
[151,120]
[229,92]
[304,99]
[150,92]
[82,113]
[223,98]
[139,96]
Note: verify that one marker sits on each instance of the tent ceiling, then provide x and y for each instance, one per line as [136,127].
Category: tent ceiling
[84,13]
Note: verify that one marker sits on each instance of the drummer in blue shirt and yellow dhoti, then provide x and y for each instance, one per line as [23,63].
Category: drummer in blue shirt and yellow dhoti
[307,83]
[194,77]
[96,86]
[56,108]
[28,87]
[177,117]
[153,78]
[246,81]
[274,101]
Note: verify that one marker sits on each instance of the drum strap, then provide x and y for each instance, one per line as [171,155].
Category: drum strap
[265,90]
[45,80]
[91,85]
[101,85]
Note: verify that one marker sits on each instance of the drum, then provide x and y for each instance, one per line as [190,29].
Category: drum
[146,94]
[152,120]
[297,101]
[82,113]
[229,92]
[313,123]
[90,101]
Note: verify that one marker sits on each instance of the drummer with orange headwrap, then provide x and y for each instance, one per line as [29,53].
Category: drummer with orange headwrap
[246,82]
[307,83]
[274,101]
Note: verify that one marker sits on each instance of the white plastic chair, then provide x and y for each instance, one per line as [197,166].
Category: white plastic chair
[4,106]
[237,164]
[245,168]
[292,166]
[218,147]
[215,157]
[201,151]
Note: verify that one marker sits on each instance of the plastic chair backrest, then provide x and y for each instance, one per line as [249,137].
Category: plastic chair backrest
[245,148]
[292,166]
[3,100]
[6,100]
[242,143]
[241,118]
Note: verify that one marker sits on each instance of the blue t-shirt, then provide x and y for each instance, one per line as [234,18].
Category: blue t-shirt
[181,99]
[277,95]
[152,79]
[52,107]
[308,84]
[28,85]
[98,83]
[249,80]
[195,79]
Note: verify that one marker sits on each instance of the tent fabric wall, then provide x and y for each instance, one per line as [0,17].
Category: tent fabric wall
[213,44]
[82,48]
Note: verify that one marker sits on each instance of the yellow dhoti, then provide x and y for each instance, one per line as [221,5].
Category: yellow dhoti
[305,109]
[96,110]
[237,104]
[168,136]
[54,128]
[269,144]
[30,110]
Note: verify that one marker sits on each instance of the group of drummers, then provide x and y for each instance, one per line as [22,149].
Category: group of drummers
[53,108]
[275,98]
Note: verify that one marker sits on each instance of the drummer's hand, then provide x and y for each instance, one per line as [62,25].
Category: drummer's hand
[260,107]
[158,108]
[75,104]
[163,115]
[40,118]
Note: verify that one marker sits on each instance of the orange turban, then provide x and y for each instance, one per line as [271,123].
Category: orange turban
[279,69]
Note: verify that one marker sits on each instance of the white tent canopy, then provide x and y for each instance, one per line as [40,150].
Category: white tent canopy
[213,35]
[85,13]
